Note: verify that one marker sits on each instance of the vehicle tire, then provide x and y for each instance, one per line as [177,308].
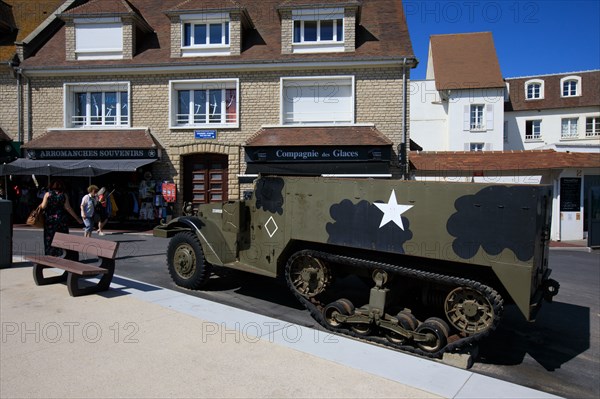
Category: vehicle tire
[186,262]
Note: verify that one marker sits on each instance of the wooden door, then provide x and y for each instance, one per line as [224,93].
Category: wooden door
[205,179]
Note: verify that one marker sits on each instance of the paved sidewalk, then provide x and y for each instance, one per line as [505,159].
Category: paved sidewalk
[138,340]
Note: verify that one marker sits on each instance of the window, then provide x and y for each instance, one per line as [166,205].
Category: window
[98,38]
[533,130]
[592,126]
[477,118]
[209,103]
[476,146]
[319,30]
[534,89]
[327,100]
[97,105]
[570,86]
[205,34]
[569,128]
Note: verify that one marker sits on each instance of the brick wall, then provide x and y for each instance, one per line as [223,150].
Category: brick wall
[378,101]
[8,96]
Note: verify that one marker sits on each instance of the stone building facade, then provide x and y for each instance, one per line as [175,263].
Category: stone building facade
[259,58]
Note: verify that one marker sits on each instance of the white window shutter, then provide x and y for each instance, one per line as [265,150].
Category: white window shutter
[467,146]
[489,117]
[467,118]
[488,147]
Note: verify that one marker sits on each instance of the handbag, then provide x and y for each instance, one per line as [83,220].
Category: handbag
[36,217]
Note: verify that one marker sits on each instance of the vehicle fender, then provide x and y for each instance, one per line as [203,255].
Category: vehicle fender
[212,250]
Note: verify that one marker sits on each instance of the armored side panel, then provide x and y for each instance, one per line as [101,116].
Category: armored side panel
[502,227]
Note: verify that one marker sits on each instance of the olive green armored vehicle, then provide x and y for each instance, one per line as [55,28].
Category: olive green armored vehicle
[424,267]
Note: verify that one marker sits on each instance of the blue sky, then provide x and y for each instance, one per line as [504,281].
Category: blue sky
[531,37]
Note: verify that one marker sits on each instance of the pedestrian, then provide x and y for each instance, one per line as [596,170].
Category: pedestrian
[101,210]
[54,203]
[88,204]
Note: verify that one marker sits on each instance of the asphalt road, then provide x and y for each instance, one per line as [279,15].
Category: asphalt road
[559,354]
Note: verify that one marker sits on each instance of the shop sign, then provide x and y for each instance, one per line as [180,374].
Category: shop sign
[205,134]
[93,154]
[570,194]
[320,154]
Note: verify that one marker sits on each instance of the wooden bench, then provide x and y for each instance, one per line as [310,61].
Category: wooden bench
[105,250]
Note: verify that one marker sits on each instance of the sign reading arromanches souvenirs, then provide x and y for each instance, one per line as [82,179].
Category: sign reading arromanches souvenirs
[93,154]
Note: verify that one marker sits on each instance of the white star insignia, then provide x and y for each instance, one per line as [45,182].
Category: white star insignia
[392,211]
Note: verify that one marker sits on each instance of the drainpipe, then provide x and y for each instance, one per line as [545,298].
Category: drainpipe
[19,106]
[405,145]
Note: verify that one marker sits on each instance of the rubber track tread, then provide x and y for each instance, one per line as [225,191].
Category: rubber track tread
[315,308]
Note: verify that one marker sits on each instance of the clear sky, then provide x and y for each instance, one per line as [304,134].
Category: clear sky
[531,37]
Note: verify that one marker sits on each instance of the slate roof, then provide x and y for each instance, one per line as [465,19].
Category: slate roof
[381,35]
[109,139]
[465,61]
[98,7]
[590,92]
[326,136]
[25,16]
[502,160]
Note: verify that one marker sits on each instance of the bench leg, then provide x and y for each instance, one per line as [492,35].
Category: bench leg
[103,284]
[38,276]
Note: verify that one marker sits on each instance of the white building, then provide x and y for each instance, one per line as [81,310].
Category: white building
[460,104]
[560,111]
[474,127]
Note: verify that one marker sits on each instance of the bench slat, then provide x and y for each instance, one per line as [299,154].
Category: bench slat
[86,245]
[68,265]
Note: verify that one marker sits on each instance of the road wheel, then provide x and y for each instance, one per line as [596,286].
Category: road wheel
[436,329]
[405,320]
[186,262]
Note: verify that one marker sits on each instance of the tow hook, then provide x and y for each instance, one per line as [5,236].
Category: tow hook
[550,289]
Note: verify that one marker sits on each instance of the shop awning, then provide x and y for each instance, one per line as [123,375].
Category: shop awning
[76,167]
[319,150]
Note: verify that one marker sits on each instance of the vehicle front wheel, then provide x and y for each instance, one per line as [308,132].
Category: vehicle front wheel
[186,262]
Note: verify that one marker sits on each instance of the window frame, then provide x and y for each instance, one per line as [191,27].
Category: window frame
[304,81]
[207,48]
[474,127]
[595,129]
[193,85]
[71,89]
[570,123]
[568,80]
[302,16]
[86,52]
[476,147]
[533,136]
[534,82]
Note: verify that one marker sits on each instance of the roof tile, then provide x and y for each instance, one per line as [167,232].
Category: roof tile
[465,61]
[294,136]
[502,160]
[65,139]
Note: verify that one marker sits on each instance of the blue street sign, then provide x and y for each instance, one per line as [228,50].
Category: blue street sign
[205,134]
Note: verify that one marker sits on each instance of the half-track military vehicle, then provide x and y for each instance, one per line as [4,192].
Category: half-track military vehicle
[424,267]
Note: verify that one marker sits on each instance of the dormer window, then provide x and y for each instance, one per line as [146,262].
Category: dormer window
[570,86]
[320,30]
[534,89]
[98,38]
[205,34]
